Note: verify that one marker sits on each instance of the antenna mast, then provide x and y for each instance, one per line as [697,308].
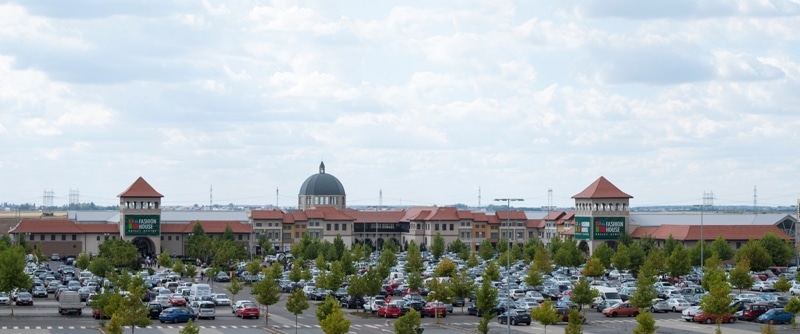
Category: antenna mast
[210,196]
[755,199]
[479,198]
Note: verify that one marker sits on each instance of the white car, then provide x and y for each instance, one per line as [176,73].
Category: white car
[4,299]
[689,313]
[678,304]
[163,300]
[527,305]
[220,299]
[762,286]
[795,290]
[238,304]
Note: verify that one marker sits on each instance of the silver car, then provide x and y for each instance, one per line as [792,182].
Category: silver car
[660,305]
[204,309]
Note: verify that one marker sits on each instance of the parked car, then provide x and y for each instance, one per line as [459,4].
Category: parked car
[204,309]
[39,291]
[660,305]
[248,310]
[706,318]
[751,312]
[222,277]
[176,300]
[473,310]
[220,299]
[762,286]
[689,313]
[795,289]
[390,310]
[153,309]
[176,314]
[4,298]
[678,304]
[349,302]
[603,305]
[776,316]
[563,312]
[416,305]
[24,299]
[238,304]
[515,316]
[621,309]
[434,309]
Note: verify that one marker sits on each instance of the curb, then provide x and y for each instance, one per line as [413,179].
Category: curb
[455,328]
[274,330]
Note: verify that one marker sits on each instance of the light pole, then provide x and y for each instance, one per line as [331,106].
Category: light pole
[508,250]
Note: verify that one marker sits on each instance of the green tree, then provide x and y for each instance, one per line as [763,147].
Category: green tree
[12,271]
[464,254]
[793,307]
[408,323]
[502,245]
[534,277]
[622,258]
[296,274]
[625,239]
[782,285]
[82,261]
[486,251]
[472,262]
[336,275]
[670,244]
[190,270]
[179,268]
[164,260]
[647,325]
[358,286]
[554,246]
[721,248]
[779,250]
[575,324]
[461,285]
[386,262]
[740,275]
[516,252]
[131,310]
[335,322]
[541,261]
[594,268]
[439,290]
[338,244]
[211,273]
[437,248]
[253,267]
[568,254]
[700,248]
[717,300]
[492,271]
[583,293]
[486,298]
[190,328]
[545,315]
[199,244]
[326,308]
[414,281]
[645,287]
[320,263]
[754,251]
[446,268]
[101,267]
[679,263]
[457,245]
[234,288]
[637,255]
[296,304]
[414,261]
[122,254]
[529,250]
[267,293]
[604,253]
[348,265]
[659,262]
[114,326]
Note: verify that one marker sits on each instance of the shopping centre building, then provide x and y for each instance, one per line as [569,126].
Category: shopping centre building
[601,214]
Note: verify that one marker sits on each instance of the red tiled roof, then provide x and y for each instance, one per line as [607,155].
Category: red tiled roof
[266,214]
[553,215]
[479,217]
[140,188]
[392,216]
[326,213]
[209,226]
[446,213]
[535,223]
[710,232]
[61,226]
[493,219]
[515,215]
[602,188]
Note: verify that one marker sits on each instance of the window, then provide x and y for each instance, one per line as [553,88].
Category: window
[344,227]
[738,244]
[418,226]
[259,224]
[287,236]
[74,237]
[436,227]
[297,235]
[328,226]
[41,237]
[177,237]
[162,238]
[169,238]
[98,238]
[240,237]
[335,227]
[63,237]
[451,227]
[494,235]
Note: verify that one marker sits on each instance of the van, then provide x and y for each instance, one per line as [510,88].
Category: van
[203,309]
[199,290]
[608,294]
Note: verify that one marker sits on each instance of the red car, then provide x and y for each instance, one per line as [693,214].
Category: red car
[390,310]
[176,300]
[433,308]
[248,310]
[712,318]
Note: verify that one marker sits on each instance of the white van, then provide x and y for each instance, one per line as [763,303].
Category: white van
[608,294]
[199,290]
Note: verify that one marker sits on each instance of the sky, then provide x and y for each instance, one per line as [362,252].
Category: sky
[407,103]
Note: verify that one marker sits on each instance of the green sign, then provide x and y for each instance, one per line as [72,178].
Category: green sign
[608,228]
[142,225]
[583,228]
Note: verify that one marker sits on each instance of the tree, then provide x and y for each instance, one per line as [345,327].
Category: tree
[348,265]
[529,250]
[754,251]
[386,262]
[82,261]
[472,262]
[622,258]
[234,288]
[461,285]
[121,253]
[659,262]
[457,245]
[199,244]
[679,263]
[439,290]
[721,248]
[583,294]
[414,281]
[637,255]
[253,267]
[114,326]
[296,304]
[575,324]
[101,267]
[782,285]
[740,275]
[516,252]
[164,260]
[336,275]
[541,261]
[594,268]
[604,253]
[717,300]
[625,239]
[295,274]
[190,328]
[190,271]
[408,323]
[211,273]
[700,248]
[338,244]
[320,263]
[179,268]
[545,315]
[326,308]
[568,254]
[487,296]
[502,245]
[645,288]
[437,248]
[779,250]
[131,311]
[12,271]
[464,254]
[793,307]
[492,271]
[670,244]
[647,325]
[267,293]
[414,261]
[335,322]
[446,268]
[486,251]
[534,277]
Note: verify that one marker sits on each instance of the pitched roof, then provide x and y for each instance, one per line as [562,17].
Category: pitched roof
[140,188]
[266,214]
[61,226]
[515,215]
[208,226]
[602,188]
[692,232]
[391,216]
[553,215]
[535,223]
[327,213]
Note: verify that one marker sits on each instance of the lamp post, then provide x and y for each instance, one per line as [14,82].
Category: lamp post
[508,249]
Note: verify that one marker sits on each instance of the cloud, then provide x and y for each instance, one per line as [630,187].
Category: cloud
[659,9]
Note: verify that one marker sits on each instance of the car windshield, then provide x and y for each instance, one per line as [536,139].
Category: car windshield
[207,305]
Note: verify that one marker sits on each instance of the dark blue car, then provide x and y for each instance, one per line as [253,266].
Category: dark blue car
[176,314]
[776,316]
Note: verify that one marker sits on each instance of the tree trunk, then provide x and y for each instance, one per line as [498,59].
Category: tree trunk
[295,324]
[266,317]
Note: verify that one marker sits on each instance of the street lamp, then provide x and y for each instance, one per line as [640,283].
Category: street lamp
[508,249]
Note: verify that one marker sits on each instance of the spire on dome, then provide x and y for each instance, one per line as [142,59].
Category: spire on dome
[321,167]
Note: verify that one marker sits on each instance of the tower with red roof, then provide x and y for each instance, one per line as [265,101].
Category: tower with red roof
[602,213]
[140,217]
